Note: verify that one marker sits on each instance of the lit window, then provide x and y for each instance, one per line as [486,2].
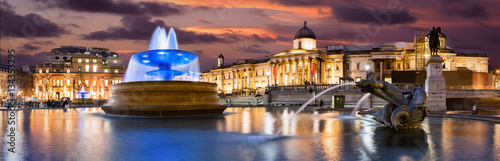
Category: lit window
[115,61]
[94,83]
[46,70]
[105,70]
[67,71]
[86,82]
[95,68]
[86,60]
[87,68]
[67,81]
[95,61]
[79,60]
[40,71]
[105,83]
[116,71]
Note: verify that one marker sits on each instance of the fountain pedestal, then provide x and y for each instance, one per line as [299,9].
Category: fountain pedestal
[435,84]
[164,99]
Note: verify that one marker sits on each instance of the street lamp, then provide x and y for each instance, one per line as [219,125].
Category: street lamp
[268,73]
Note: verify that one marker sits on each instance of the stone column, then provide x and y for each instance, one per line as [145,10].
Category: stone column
[333,69]
[270,82]
[283,72]
[309,71]
[381,69]
[296,82]
[435,84]
[303,71]
[277,72]
[323,72]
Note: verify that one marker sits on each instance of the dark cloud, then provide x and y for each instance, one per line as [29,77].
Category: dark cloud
[205,21]
[141,28]
[26,59]
[363,15]
[343,35]
[123,7]
[74,25]
[198,52]
[259,12]
[473,12]
[29,47]
[494,38]
[30,25]
[300,2]
[451,1]
[48,42]
[255,49]
[134,28]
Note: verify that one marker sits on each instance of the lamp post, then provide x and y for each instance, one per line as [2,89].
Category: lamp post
[268,73]
[367,67]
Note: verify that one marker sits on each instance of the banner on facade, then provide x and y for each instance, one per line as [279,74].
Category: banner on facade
[274,72]
[314,69]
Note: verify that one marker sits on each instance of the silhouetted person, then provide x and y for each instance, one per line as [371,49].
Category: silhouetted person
[320,103]
[65,103]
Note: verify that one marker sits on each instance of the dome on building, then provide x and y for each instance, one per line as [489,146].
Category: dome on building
[221,56]
[305,32]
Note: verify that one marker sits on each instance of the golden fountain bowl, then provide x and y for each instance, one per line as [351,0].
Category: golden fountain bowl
[164,99]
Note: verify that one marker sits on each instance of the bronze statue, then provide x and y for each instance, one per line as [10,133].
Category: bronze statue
[401,112]
[434,42]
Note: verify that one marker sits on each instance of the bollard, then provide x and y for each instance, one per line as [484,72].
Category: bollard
[474,109]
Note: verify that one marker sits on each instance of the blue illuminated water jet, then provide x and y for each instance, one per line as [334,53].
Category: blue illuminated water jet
[163,61]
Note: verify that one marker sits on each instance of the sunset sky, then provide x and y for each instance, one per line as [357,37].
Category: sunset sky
[239,28]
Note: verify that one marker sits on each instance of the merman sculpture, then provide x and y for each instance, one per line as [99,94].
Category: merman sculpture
[401,112]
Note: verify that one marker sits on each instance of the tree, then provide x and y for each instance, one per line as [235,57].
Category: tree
[78,82]
[45,87]
[24,83]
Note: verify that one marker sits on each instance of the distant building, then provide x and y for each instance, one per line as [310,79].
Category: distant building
[68,68]
[4,73]
[304,63]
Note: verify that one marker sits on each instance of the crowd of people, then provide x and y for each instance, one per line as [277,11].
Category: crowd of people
[33,104]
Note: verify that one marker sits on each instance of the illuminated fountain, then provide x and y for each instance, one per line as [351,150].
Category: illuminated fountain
[82,97]
[163,82]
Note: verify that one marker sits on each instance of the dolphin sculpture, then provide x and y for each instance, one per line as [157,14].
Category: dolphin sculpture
[401,112]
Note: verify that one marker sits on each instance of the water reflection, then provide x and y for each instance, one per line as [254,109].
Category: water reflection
[245,134]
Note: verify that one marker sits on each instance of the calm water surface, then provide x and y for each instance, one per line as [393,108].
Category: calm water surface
[243,134]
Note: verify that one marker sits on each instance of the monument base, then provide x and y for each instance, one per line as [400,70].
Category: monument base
[435,84]
[164,99]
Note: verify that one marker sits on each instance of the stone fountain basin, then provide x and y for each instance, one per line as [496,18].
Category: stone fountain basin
[164,99]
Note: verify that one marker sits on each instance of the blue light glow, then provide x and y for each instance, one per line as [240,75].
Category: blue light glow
[163,61]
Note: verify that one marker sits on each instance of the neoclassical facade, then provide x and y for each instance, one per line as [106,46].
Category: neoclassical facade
[305,63]
[69,68]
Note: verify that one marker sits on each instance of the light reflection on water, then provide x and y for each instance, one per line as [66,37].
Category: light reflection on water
[244,134]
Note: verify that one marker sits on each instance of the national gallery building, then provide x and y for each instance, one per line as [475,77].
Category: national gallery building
[306,63]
